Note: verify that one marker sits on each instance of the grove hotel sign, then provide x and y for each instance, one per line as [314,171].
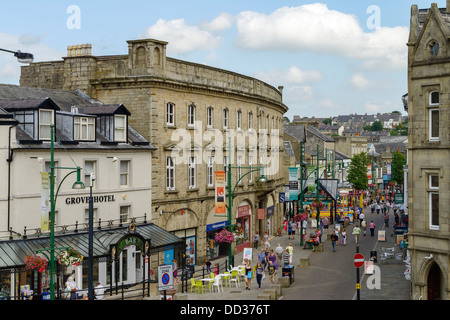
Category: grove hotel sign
[85,199]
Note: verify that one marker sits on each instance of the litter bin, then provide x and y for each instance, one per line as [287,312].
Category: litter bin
[45,295]
[373,256]
[288,271]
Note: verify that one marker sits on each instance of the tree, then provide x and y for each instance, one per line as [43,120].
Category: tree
[377,126]
[398,161]
[327,121]
[357,173]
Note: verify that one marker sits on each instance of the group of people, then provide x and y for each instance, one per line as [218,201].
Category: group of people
[71,290]
[270,260]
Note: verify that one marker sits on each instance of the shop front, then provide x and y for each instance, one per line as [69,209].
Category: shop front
[134,259]
[243,223]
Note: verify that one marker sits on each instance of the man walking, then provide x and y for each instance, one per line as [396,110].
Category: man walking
[356,232]
[334,239]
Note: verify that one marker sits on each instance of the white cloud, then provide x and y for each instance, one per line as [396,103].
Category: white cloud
[10,67]
[315,28]
[359,81]
[293,75]
[182,37]
[222,22]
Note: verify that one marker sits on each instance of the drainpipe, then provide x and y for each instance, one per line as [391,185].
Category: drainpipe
[9,160]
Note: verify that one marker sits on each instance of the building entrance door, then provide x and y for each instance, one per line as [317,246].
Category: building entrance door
[434,283]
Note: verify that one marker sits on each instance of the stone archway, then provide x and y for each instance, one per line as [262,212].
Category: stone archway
[183,218]
[434,280]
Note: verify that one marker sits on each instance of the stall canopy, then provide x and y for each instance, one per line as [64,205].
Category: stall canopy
[330,186]
[13,253]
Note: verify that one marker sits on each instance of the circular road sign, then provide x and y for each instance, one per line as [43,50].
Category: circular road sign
[358,260]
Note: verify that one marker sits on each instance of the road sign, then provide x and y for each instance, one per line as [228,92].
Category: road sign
[358,260]
[165,277]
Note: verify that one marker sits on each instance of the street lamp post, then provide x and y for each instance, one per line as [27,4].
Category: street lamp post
[91,239]
[22,57]
[262,179]
[77,185]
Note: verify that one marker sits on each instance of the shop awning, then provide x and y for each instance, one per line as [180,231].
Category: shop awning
[14,252]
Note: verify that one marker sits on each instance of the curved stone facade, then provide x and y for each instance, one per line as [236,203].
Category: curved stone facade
[180,105]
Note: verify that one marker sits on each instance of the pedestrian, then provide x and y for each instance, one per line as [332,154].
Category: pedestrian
[386,220]
[326,223]
[291,252]
[285,225]
[289,230]
[259,274]
[73,288]
[364,226]
[208,265]
[285,257]
[272,272]
[356,231]
[99,291]
[262,258]
[372,228]
[336,232]
[175,271]
[256,240]
[248,274]
[293,229]
[273,258]
[361,217]
[67,290]
[344,237]
[279,252]
[266,240]
[334,239]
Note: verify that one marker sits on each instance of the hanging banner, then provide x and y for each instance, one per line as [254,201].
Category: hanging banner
[45,201]
[389,170]
[293,183]
[219,182]
[369,171]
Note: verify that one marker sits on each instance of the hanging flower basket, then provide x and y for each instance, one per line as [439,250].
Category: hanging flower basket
[300,217]
[319,204]
[70,257]
[34,262]
[224,236]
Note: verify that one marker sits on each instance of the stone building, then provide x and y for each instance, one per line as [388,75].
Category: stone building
[428,106]
[192,113]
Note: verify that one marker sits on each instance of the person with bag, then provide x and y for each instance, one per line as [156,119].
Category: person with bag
[344,237]
[334,239]
[248,274]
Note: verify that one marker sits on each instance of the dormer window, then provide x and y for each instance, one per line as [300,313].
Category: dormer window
[84,128]
[45,120]
[120,126]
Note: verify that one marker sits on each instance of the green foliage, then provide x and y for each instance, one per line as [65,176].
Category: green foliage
[398,161]
[357,173]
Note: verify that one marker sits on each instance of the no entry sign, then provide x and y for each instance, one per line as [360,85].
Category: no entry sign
[358,260]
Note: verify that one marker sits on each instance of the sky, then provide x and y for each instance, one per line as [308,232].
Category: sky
[334,57]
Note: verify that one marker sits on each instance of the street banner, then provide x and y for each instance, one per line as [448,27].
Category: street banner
[261,214]
[219,182]
[293,183]
[369,171]
[45,201]
[389,170]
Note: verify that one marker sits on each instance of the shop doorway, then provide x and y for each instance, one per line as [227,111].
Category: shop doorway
[434,283]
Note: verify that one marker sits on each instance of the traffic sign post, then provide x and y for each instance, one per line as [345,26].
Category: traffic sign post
[358,261]
[165,278]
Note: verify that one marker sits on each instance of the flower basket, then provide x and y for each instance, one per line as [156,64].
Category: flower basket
[70,257]
[300,217]
[317,204]
[224,236]
[34,262]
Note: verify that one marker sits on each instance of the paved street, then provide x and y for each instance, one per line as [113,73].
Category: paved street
[331,275]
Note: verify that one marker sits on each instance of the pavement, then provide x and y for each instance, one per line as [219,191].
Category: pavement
[330,275]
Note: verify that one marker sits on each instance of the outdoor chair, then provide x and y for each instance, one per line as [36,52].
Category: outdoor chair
[217,283]
[193,285]
[234,278]
[200,286]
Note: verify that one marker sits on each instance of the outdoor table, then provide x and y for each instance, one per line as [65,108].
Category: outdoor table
[209,281]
